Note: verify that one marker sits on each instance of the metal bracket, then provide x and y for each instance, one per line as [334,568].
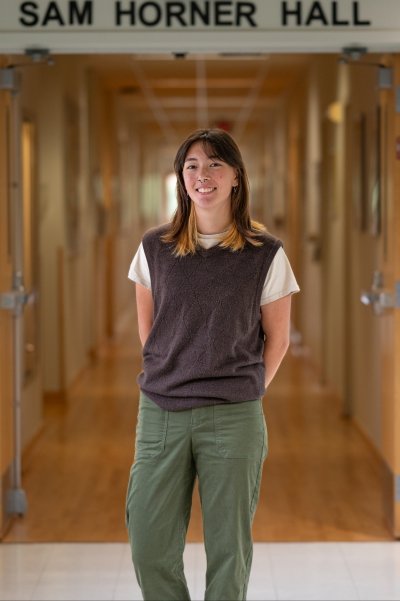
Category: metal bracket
[16,501]
[380,301]
[38,54]
[385,78]
[16,300]
[397,488]
[353,53]
[397,294]
[379,298]
[9,80]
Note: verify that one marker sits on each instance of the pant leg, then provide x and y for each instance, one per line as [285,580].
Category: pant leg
[159,501]
[229,457]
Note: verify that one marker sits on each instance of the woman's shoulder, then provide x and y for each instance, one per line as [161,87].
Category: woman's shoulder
[268,240]
[154,233]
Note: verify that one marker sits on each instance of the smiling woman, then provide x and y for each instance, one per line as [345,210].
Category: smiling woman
[213,335]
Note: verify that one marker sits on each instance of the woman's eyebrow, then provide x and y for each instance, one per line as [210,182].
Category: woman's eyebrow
[211,158]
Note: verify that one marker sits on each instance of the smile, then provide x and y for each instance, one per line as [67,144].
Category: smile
[205,190]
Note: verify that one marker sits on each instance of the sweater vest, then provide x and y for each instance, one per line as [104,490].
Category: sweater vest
[206,343]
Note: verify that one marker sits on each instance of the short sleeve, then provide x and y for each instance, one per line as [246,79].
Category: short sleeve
[139,269]
[280,280]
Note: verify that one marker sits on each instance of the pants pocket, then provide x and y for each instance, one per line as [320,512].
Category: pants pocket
[240,430]
[151,429]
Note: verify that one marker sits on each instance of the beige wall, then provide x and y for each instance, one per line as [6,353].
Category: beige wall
[311,267]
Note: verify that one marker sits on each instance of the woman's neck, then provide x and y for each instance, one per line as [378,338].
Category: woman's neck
[212,225]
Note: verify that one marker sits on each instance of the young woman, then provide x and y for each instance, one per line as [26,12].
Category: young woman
[213,292]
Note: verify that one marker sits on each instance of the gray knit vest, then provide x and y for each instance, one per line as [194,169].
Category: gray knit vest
[206,343]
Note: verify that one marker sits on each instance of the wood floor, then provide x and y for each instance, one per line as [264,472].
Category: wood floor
[321,480]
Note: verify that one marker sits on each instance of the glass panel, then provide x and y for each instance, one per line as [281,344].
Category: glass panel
[30,247]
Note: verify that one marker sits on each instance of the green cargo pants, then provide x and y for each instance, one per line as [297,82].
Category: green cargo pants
[224,446]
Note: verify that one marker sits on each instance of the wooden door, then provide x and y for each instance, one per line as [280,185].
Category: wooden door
[6,334]
[385,227]
[390,267]
[373,268]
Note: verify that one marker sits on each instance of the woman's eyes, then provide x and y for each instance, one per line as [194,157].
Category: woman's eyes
[191,167]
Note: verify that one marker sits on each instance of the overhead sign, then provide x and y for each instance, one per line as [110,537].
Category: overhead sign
[193,14]
[197,25]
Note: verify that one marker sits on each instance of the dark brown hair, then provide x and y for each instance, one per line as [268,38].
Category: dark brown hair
[217,143]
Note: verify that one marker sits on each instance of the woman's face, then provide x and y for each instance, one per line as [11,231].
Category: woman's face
[208,180]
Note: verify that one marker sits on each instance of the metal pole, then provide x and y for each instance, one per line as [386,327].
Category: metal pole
[16,497]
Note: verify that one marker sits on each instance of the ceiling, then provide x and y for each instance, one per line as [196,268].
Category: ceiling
[187,91]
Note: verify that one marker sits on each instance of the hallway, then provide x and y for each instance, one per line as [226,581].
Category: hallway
[321,480]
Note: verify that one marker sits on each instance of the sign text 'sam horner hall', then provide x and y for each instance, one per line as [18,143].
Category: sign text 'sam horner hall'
[86,24]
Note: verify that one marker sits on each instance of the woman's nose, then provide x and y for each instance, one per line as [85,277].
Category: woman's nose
[202,176]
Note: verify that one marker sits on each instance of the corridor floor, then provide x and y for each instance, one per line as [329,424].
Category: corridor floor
[321,480]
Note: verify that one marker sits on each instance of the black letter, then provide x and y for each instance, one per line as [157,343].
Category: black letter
[220,12]
[85,13]
[25,6]
[175,10]
[286,13]
[335,18]
[53,13]
[204,16]
[245,10]
[317,14]
[120,13]
[142,16]
[357,17]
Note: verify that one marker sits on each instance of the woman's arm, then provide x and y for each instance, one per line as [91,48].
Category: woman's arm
[275,320]
[144,304]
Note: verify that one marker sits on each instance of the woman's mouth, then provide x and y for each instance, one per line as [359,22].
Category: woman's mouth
[205,190]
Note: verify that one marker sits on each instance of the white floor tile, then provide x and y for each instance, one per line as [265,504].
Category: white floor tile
[311,571]
[72,593]
[261,582]
[127,593]
[315,594]
[22,560]
[280,571]
[375,568]
[16,592]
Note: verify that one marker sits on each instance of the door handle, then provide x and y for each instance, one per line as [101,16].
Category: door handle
[379,299]
[15,300]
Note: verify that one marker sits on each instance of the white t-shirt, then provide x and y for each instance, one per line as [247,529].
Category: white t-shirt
[280,280]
